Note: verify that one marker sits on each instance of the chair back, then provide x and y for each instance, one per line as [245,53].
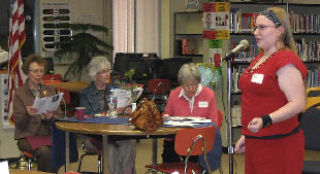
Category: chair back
[66,94]
[159,86]
[309,122]
[313,96]
[49,79]
[185,138]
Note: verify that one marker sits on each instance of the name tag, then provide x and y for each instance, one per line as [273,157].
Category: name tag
[257,78]
[203,104]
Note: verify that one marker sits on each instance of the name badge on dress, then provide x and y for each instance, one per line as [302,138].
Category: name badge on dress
[203,104]
[257,78]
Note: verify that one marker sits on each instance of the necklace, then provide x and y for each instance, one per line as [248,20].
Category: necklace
[260,62]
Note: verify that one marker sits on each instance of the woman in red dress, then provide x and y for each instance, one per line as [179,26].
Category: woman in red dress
[273,94]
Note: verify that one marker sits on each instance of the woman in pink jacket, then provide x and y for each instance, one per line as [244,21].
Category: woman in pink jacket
[189,99]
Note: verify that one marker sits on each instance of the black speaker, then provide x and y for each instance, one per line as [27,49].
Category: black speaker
[28,47]
[50,66]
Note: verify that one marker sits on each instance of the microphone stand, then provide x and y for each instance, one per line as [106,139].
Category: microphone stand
[229,118]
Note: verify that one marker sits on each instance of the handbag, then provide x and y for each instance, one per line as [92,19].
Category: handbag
[146,117]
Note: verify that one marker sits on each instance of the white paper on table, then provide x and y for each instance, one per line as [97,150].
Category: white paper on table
[48,103]
[188,121]
[4,167]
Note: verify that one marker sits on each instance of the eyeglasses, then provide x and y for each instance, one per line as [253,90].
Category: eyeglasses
[37,71]
[105,71]
[191,85]
[262,27]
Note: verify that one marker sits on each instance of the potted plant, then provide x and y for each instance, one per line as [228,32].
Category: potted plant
[134,88]
[81,47]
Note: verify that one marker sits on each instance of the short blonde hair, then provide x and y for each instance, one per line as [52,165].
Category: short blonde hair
[97,64]
[188,71]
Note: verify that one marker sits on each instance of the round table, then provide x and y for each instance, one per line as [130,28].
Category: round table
[111,129]
[16,171]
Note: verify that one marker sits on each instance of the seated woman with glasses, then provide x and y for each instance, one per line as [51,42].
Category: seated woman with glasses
[121,153]
[189,99]
[32,130]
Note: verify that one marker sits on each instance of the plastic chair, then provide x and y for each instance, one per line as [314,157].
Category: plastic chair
[313,97]
[49,79]
[309,122]
[188,142]
[65,101]
[26,161]
[159,88]
[90,149]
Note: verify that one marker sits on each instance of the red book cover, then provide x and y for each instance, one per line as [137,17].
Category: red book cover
[209,7]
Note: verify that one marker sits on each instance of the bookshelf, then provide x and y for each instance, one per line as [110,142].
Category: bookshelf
[188,35]
[305,21]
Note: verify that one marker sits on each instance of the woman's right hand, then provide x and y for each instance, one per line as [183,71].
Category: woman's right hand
[31,110]
[240,145]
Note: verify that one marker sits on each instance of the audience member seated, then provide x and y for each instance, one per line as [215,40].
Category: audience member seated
[121,159]
[190,99]
[32,130]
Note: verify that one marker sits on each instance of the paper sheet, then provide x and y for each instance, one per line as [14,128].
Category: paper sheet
[4,167]
[48,103]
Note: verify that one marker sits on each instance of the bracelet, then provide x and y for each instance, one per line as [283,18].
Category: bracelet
[266,121]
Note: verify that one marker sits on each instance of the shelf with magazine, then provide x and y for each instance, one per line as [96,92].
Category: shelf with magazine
[305,21]
[188,35]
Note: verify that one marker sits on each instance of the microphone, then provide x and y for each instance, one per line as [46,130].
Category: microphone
[241,46]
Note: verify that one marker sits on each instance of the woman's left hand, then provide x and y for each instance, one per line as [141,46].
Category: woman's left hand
[255,124]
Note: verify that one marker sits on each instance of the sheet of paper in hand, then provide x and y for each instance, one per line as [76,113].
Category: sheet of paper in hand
[48,103]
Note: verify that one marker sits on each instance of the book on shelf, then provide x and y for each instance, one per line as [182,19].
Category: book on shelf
[313,79]
[305,23]
[247,54]
[309,51]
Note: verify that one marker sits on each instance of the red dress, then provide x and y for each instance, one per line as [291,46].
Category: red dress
[262,95]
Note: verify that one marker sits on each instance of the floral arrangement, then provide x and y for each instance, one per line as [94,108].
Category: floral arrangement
[135,89]
[209,74]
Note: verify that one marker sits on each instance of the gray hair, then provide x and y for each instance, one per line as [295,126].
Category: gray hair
[188,71]
[97,64]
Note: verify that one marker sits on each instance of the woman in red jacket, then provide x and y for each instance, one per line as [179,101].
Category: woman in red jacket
[273,94]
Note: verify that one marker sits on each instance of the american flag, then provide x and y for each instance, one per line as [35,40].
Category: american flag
[17,38]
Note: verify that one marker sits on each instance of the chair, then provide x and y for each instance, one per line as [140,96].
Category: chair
[313,96]
[49,79]
[188,142]
[159,88]
[66,100]
[309,122]
[89,149]
[26,161]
